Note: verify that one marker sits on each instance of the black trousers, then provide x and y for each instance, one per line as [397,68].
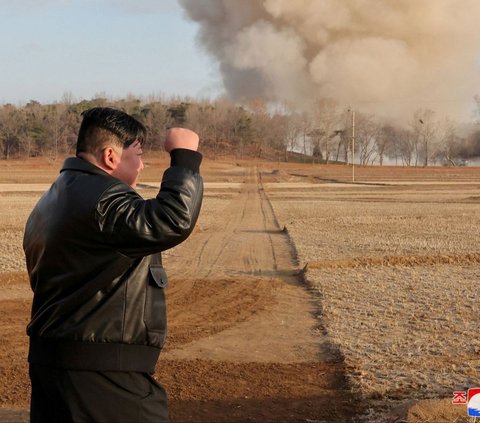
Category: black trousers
[60,395]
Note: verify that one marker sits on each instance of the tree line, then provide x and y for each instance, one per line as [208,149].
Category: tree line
[324,133]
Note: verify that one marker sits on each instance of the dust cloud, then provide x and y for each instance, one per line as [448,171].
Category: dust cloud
[385,56]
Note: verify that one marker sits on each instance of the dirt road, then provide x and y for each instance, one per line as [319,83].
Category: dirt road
[245,338]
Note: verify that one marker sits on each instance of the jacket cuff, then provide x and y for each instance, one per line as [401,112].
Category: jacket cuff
[189,159]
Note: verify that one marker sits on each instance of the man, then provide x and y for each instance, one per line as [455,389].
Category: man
[92,248]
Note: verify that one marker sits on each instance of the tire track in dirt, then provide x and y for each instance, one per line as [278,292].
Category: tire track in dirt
[228,239]
[245,342]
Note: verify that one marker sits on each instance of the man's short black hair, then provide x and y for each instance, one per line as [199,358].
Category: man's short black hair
[104,126]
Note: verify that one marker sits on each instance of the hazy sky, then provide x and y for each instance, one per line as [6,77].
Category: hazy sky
[87,47]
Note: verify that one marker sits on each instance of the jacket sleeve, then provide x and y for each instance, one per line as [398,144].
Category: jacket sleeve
[136,227]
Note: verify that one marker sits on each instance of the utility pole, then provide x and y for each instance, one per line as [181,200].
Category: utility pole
[353,145]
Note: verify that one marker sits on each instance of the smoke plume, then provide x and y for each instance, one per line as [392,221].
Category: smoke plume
[387,56]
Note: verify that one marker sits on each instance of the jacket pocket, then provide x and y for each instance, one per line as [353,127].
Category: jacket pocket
[155,313]
[159,276]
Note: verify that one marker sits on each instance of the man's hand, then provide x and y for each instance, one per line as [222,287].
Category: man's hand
[181,138]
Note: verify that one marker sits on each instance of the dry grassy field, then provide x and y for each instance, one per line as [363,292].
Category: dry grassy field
[396,265]
[390,262]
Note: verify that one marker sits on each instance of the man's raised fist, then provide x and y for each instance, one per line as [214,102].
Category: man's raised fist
[181,138]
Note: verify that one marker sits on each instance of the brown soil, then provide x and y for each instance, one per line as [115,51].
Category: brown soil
[245,340]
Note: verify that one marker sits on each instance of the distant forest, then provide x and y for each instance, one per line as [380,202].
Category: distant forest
[322,134]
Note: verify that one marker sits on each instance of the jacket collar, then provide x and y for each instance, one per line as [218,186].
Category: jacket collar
[76,163]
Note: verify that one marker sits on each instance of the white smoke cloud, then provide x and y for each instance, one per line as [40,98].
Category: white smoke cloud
[390,56]
[275,55]
[351,71]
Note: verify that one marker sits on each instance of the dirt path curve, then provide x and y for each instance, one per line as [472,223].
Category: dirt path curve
[243,322]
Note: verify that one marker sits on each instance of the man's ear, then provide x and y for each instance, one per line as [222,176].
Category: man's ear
[110,158]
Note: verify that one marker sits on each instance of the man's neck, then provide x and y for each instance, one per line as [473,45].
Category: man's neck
[91,158]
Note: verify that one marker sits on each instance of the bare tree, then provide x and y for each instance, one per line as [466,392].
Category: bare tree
[366,133]
[406,142]
[240,130]
[424,128]
[260,124]
[293,133]
[316,135]
[449,142]
[157,120]
[344,134]
[325,119]
[385,142]
[59,125]
[11,126]
[305,125]
[393,140]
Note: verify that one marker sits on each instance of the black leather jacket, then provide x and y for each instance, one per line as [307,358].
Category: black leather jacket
[92,248]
